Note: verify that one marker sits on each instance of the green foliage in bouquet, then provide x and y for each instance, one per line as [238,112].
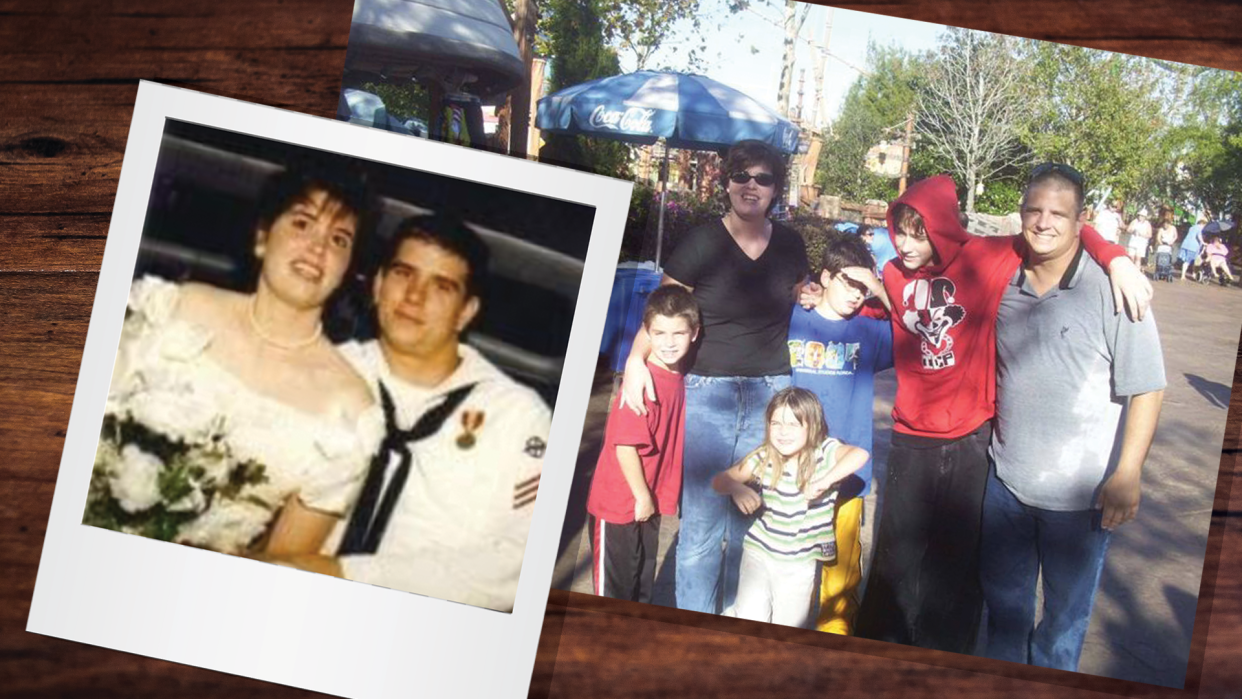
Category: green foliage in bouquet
[185,487]
[105,511]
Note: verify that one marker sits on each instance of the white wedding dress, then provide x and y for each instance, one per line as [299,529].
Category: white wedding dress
[165,380]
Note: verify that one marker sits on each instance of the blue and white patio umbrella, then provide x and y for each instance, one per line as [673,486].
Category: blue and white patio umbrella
[686,111]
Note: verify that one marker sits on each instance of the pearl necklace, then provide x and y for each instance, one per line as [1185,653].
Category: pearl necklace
[279,344]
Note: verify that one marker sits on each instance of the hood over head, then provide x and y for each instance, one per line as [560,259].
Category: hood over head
[935,198]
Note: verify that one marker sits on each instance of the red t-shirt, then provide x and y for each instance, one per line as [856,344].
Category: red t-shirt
[944,316]
[658,438]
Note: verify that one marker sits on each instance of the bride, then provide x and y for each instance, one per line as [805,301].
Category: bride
[250,376]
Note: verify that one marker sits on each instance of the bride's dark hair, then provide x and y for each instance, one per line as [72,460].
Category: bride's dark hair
[282,189]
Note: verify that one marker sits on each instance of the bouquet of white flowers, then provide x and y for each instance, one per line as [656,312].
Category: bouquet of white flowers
[187,488]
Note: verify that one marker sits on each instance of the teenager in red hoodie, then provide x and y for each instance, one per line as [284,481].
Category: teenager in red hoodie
[945,287]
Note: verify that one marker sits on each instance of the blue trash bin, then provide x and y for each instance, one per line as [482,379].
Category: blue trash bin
[630,288]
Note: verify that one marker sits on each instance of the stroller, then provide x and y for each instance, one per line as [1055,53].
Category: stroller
[1164,263]
[1202,270]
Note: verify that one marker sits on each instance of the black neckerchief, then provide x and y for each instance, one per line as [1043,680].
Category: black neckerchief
[366,524]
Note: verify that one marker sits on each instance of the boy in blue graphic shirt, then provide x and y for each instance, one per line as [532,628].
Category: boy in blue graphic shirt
[835,352]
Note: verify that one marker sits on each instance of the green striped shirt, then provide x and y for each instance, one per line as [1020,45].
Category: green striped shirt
[789,527]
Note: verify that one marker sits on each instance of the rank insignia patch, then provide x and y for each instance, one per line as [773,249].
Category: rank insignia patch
[535,447]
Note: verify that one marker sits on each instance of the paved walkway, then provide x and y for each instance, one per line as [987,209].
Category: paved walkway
[1144,614]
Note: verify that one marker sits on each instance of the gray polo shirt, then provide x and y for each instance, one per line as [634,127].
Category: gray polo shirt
[1065,365]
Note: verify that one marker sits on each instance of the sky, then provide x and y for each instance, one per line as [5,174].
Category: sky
[744,51]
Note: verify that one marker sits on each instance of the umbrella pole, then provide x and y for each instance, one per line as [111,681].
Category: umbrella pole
[663,198]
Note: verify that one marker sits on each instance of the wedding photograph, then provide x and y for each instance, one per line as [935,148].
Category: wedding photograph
[322,411]
[338,365]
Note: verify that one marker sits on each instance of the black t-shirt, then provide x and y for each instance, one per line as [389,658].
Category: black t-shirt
[745,303]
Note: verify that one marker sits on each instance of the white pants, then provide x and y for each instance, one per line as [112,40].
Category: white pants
[775,591]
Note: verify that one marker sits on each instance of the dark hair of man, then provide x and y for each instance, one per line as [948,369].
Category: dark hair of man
[449,233]
[283,189]
[864,229]
[1063,181]
[747,154]
[844,250]
[672,301]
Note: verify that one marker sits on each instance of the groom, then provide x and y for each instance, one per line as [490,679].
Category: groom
[446,507]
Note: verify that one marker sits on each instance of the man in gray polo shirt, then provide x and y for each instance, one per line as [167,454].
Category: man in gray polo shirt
[1079,389]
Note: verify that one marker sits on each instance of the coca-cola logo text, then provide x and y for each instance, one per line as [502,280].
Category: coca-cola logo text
[633,120]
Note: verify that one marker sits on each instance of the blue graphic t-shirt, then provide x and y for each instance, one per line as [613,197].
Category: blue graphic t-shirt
[837,360]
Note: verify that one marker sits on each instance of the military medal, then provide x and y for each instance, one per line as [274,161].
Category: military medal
[471,421]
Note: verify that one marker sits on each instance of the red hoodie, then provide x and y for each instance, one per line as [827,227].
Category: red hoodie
[944,315]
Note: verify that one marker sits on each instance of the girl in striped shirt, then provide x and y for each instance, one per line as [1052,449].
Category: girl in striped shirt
[789,481]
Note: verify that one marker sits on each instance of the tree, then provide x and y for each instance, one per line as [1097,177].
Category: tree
[638,28]
[874,109]
[574,37]
[642,27]
[795,17]
[1208,143]
[1099,112]
[971,107]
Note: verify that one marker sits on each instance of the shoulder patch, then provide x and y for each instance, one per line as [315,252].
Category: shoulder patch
[524,493]
[535,447]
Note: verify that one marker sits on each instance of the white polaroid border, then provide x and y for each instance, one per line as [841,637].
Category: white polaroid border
[278,624]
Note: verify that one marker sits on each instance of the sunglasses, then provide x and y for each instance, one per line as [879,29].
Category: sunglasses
[852,285]
[1061,169]
[762,179]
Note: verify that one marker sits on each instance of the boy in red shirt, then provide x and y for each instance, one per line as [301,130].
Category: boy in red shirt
[945,287]
[638,475]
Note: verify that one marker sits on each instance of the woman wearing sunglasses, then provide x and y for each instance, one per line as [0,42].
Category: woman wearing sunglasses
[742,270]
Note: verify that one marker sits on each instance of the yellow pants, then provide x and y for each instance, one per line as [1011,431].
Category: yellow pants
[838,589]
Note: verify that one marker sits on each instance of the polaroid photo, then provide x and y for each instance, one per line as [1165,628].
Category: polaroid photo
[947,173]
[313,440]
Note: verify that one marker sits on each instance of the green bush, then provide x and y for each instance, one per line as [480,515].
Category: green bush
[999,198]
[682,212]
[813,230]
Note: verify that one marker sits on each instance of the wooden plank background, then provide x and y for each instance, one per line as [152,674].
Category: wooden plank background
[68,79]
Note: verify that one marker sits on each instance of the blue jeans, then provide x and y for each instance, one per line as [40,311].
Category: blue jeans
[725,419]
[1019,541]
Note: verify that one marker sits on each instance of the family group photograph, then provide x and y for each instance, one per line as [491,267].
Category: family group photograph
[949,369]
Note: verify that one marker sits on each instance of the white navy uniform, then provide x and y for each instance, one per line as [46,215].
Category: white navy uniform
[458,531]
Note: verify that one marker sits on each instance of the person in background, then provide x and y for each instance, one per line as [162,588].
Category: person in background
[1191,244]
[877,240]
[1108,221]
[1140,237]
[1167,234]
[1218,258]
